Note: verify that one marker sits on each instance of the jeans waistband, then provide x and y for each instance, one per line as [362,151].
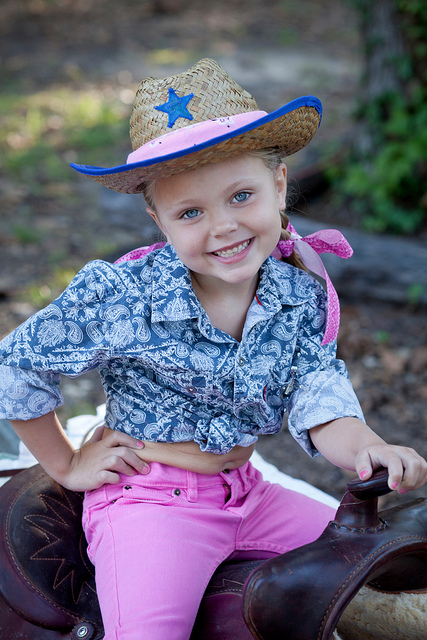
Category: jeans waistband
[165,476]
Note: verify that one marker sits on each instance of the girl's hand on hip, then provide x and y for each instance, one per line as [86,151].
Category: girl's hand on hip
[407,470]
[100,460]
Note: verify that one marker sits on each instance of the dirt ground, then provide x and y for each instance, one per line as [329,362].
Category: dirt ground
[277,50]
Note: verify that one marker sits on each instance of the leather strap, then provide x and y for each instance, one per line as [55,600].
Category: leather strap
[303,593]
[8,473]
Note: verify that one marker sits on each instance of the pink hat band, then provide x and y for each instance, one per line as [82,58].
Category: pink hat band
[192,135]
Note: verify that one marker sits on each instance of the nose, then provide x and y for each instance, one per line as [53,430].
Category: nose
[223,222]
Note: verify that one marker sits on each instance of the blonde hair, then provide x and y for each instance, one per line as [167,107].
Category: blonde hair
[272,159]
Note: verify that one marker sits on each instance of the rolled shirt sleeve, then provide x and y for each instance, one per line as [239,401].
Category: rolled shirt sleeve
[322,390]
[28,394]
[64,338]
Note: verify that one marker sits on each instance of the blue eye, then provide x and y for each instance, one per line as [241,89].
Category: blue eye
[241,197]
[191,213]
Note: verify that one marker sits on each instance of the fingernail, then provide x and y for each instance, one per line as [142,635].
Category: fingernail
[394,485]
[140,444]
[363,474]
[403,491]
[145,470]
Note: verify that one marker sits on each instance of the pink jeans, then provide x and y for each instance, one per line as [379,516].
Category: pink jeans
[156,540]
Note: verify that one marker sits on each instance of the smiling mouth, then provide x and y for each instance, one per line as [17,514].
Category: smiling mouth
[228,253]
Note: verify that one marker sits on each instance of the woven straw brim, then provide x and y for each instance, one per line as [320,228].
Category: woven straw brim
[288,132]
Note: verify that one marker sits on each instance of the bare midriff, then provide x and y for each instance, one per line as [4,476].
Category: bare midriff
[187,455]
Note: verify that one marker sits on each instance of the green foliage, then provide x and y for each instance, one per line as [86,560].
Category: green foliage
[388,187]
[25,234]
[415,292]
[40,294]
[40,133]
[382,336]
[42,130]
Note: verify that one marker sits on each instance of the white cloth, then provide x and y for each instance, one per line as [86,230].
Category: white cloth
[79,427]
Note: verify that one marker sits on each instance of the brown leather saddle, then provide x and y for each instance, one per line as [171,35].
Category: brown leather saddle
[47,586]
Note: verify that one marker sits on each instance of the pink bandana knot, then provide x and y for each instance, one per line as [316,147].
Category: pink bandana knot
[308,248]
[140,252]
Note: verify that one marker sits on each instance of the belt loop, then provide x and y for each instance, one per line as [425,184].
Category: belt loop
[192,486]
[246,482]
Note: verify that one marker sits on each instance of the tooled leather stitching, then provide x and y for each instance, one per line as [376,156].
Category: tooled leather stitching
[355,570]
[225,584]
[18,569]
[380,527]
[53,539]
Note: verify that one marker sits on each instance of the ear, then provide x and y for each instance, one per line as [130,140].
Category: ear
[281,182]
[155,217]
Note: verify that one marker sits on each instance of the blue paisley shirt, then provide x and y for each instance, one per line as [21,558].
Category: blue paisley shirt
[169,375]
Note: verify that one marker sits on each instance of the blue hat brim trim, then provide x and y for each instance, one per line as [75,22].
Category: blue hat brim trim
[305,101]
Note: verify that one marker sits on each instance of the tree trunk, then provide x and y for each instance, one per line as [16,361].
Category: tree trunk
[383,43]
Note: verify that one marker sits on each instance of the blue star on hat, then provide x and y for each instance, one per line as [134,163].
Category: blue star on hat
[176,107]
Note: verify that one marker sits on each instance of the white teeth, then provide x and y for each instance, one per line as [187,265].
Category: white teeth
[232,252]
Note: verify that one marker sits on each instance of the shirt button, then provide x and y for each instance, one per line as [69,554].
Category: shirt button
[241,361]
[226,471]
[191,389]
[177,492]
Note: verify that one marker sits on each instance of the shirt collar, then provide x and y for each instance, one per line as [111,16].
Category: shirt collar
[173,297]
[282,284]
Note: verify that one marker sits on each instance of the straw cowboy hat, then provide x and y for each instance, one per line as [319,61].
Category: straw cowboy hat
[197,118]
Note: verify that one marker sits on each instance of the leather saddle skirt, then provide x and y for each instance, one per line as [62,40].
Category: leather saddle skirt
[47,585]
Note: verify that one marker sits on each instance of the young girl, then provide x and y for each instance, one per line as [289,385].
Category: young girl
[202,343]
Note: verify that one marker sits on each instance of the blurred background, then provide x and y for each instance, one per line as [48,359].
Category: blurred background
[68,73]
